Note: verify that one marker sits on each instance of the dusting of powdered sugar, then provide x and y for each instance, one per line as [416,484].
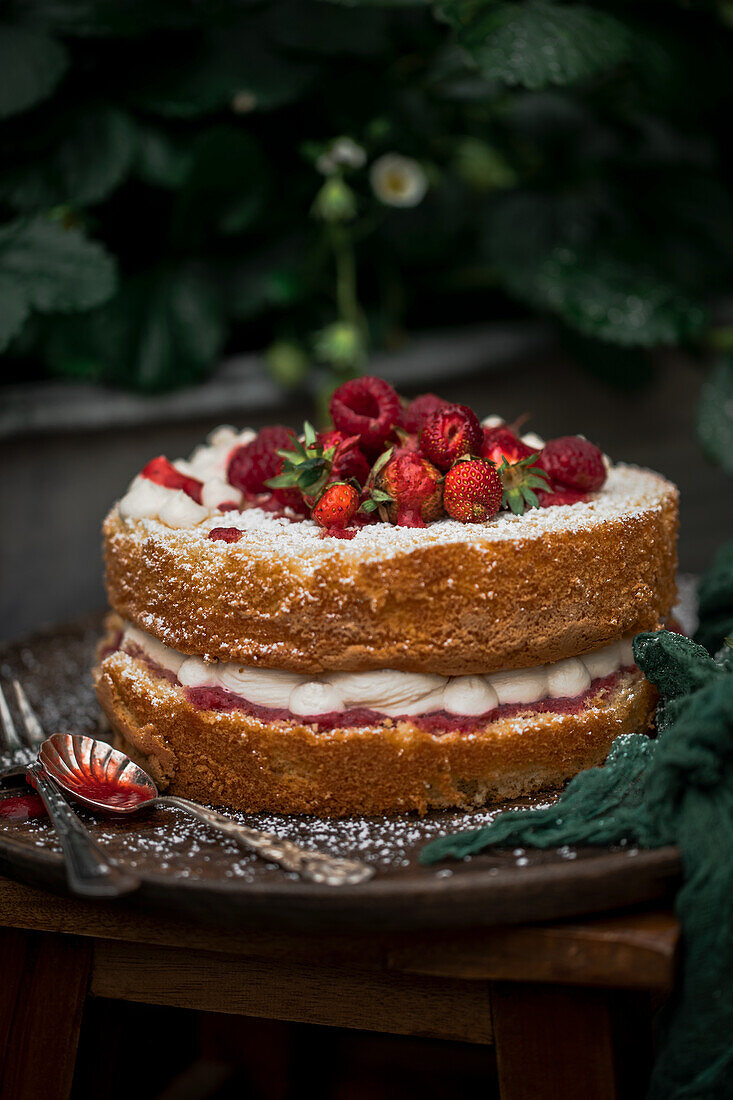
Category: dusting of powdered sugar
[169,841]
[628,492]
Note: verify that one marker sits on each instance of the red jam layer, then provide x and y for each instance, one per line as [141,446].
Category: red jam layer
[437,723]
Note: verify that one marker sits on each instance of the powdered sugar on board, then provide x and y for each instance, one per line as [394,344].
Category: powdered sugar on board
[629,491]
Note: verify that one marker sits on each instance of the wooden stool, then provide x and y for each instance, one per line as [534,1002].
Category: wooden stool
[567,1005]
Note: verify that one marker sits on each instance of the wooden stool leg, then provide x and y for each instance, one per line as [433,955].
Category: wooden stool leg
[42,991]
[553,1042]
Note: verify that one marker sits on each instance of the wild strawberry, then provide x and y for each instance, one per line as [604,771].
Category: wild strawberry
[500,443]
[413,417]
[253,464]
[407,490]
[163,472]
[225,534]
[348,460]
[449,434]
[472,492]
[575,463]
[367,407]
[336,507]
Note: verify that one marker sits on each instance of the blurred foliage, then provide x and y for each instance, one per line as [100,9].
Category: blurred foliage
[182,178]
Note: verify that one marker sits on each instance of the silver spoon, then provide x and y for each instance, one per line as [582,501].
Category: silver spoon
[106,780]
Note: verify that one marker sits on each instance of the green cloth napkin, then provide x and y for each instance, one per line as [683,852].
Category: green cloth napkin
[676,789]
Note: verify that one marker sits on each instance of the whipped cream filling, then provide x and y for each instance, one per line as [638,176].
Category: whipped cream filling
[386,691]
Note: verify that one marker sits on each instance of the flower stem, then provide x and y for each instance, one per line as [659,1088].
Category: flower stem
[347,301]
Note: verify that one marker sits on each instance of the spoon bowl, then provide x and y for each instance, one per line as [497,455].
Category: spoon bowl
[108,781]
[95,774]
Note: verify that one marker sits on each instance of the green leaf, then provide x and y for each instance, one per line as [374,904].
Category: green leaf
[562,255]
[614,298]
[31,65]
[225,188]
[715,415]
[162,330]
[14,309]
[56,269]
[537,43]
[160,160]
[231,67]
[79,160]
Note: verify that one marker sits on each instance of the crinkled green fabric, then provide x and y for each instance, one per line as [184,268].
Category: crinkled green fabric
[676,789]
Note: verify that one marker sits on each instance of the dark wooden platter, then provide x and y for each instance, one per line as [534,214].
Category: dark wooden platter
[186,868]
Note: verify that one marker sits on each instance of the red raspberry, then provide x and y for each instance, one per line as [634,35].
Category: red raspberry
[252,464]
[412,419]
[472,492]
[416,490]
[277,500]
[552,497]
[450,433]
[336,507]
[574,463]
[225,534]
[163,472]
[348,460]
[228,506]
[501,443]
[367,407]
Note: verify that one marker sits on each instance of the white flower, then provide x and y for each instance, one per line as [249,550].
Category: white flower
[341,153]
[345,151]
[398,180]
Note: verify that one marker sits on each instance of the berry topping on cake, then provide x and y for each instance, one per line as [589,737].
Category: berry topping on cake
[336,509]
[405,463]
[407,489]
[253,464]
[574,463]
[520,483]
[367,407]
[449,434]
[500,444]
[472,492]
[163,472]
[554,497]
[225,534]
[413,416]
[348,461]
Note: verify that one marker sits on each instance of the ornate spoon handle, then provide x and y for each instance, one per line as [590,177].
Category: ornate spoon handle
[309,864]
[88,870]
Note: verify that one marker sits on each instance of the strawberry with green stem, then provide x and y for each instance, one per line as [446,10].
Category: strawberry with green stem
[519,480]
[307,467]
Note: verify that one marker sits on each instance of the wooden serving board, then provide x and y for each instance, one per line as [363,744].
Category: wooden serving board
[187,868]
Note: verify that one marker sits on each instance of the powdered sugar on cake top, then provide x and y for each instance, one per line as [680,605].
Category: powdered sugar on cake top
[628,491]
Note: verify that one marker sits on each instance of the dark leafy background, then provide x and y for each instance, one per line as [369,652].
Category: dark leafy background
[158,177]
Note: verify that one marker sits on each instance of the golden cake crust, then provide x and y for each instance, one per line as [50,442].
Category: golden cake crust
[229,758]
[450,607]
